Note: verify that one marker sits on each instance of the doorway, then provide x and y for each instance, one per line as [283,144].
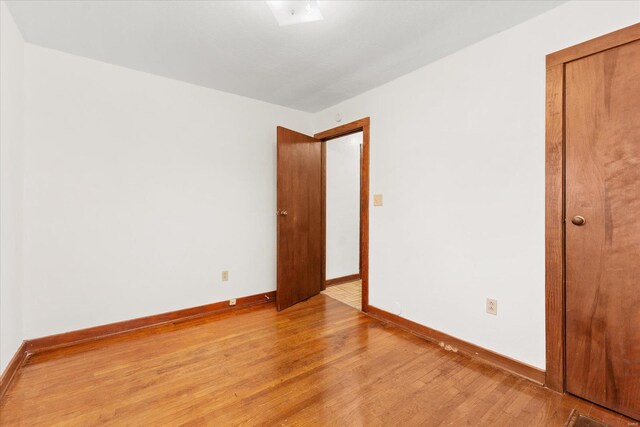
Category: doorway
[342,219]
[359,131]
[592,226]
[302,214]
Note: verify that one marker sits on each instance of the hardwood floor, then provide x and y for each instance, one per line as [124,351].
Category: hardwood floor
[349,293]
[318,363]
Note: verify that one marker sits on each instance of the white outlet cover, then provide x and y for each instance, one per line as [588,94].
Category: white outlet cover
[492,306]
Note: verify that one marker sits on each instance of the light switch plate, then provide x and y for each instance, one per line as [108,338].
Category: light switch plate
[377,200]
[225,276]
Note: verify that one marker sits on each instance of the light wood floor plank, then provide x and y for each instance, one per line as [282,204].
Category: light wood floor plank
[318,363]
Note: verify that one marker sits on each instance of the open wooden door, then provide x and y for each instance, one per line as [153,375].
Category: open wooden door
[300,236]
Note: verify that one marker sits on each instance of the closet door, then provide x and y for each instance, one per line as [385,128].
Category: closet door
[602,118]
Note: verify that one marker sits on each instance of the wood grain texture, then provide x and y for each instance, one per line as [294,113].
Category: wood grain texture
[603,255]
[362,125]
[324,215]
[554,229]
[555,195]
[66,339]
[11,370]
[317,363]
[364,214]
[300,237]
[342,130]
[455,344]
[599,44]
[343,279]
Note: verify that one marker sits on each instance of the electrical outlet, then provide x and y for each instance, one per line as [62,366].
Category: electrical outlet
[377,200]
[232,301]
[492,306]
[225,276]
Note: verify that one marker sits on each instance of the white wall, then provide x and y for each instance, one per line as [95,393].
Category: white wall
[11,141]
[343,206]
[139,191]
[457,150]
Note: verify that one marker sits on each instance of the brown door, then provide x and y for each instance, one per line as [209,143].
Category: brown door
[603,228]
[299,217]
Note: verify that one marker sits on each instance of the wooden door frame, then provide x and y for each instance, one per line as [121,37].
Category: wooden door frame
[361,125]
[555,195]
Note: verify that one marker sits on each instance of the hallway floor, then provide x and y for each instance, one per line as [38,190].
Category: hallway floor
[348,293]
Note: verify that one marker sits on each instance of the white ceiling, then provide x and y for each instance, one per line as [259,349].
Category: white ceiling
[238,47]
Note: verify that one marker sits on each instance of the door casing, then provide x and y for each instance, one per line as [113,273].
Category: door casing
[361,125]
[555,195]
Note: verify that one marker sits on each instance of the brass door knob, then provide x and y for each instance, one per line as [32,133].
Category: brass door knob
[282,212]
[578,220]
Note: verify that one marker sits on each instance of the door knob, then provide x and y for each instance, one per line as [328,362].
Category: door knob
[283,212]
[578,220]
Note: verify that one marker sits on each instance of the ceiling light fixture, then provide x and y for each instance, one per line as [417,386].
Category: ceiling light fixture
[295,12]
